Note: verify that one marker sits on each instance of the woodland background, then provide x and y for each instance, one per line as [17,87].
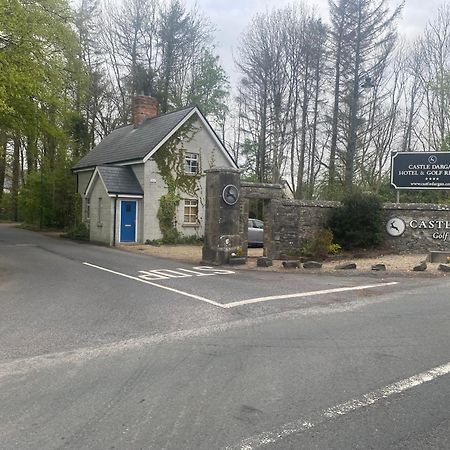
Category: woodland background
[320,105]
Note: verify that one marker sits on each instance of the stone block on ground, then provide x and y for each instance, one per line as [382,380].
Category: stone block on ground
[346,266]
[379,267]
[291,264]
[444,267]
[312,265]
[264,262]
[420,267]
[237,260]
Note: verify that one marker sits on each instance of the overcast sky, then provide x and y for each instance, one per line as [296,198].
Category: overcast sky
[231,18]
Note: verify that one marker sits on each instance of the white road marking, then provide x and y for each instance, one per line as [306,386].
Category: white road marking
[165,274]
[303,424]
[150,275]
[167,288]
[307,294]
[198,274]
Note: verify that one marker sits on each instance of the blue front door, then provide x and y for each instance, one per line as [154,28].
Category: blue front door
[128,221]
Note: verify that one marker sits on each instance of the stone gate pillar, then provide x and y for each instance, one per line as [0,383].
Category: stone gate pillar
[222,215]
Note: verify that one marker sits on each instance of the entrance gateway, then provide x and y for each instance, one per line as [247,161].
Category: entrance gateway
[128,215]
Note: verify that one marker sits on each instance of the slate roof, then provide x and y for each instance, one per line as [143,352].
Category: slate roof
[120,180]
[129,143]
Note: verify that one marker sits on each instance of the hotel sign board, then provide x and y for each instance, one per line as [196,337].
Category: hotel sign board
[420,170]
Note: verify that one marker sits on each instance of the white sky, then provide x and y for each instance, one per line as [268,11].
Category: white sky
[231,17]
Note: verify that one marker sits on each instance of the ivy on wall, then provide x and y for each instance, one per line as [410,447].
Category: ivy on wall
[170,161]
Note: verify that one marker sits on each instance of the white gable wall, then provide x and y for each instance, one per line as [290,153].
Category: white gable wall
[154,187]
[101,227]
[83,181]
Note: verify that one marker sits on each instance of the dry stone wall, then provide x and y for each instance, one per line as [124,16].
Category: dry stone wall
[289,224]
[427,227]
[293,222]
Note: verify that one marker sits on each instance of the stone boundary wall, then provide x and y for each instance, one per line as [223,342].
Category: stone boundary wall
[427,227]
[293,222]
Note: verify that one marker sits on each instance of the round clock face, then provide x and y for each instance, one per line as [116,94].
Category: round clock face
[395,226]
[230,194]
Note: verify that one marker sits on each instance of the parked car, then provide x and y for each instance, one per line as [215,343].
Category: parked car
[255,233]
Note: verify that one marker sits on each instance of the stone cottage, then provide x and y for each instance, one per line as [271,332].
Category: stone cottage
[156,162]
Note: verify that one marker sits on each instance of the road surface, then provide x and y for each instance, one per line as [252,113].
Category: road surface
[104,349]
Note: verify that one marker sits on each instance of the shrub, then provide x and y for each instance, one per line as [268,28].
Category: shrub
[166,215]
[321,245]
[359,222]
[79,232]
[181,239]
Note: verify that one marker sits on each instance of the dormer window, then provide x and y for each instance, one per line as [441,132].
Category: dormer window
[191,163]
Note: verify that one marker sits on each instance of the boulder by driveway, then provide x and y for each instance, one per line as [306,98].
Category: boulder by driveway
[402,264]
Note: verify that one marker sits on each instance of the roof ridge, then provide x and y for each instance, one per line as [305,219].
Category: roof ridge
[186,108]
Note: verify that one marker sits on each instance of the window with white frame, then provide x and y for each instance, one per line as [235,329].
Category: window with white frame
[100,210]
[87,208]
[191,163]
[191,212]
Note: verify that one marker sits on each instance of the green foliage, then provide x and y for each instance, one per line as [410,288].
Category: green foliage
[359,222]
[209,87]
[321,245]
[5,206]
[39,67]
[181,240]
[170,162]
[79,232]
[38,63]
[388,194]
[166,215]
[48,199]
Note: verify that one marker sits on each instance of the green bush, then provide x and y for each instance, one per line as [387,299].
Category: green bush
[5,207]
[359,222]
[80,233]
[166,215]
[180,239]
[320,246]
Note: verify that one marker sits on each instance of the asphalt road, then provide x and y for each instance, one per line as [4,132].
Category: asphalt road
[102,349]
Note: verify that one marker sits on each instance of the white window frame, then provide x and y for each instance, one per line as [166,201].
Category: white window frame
[190,211]
[191,165]
[87,209]
[100,212]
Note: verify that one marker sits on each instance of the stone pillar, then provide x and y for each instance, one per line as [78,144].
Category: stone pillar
[221,219]
[272,225]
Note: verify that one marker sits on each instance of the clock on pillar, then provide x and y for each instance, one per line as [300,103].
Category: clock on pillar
[230,194]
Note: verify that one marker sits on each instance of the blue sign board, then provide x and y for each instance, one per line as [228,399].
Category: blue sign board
[420,170]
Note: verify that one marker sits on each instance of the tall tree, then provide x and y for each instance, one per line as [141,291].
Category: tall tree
[364,33]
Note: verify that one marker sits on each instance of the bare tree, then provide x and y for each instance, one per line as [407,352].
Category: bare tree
[364,35]
[436,53]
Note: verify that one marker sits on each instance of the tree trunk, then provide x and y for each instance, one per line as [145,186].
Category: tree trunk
[3,142]
[15,181]
[301,162]
[335,117]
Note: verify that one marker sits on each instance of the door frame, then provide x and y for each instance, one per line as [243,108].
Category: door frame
[135,220]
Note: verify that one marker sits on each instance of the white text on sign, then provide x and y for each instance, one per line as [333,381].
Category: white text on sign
[166,274]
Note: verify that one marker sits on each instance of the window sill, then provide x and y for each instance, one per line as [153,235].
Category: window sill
[190,225]
[99,224]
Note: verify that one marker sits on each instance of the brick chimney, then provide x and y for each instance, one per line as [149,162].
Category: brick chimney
[144,107]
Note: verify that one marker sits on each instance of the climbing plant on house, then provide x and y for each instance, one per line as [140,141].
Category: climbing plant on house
[170,162]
